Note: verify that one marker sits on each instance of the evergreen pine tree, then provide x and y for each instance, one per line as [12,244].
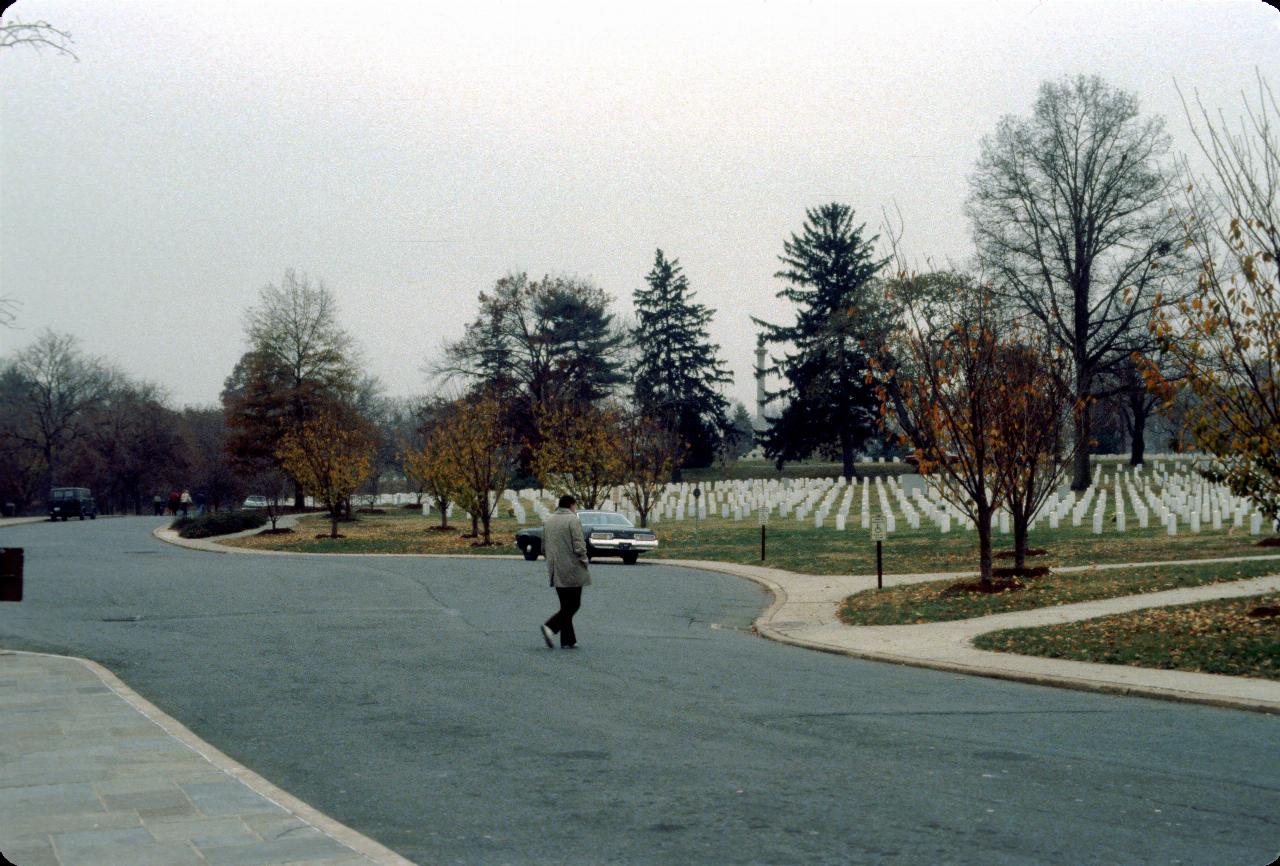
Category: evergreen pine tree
[678,368]
[830,407]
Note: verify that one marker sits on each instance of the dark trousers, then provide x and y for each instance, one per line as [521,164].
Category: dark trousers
[562,621]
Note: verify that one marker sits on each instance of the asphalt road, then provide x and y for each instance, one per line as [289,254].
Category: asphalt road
[415,701]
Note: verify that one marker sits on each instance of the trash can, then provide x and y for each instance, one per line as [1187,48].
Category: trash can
[10,574]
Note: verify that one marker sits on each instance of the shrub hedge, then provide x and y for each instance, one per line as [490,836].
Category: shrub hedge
[218,523]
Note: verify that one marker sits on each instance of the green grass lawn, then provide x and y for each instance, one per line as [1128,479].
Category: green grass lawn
[791,545]
[1220,637]
[397,531]
[930,602]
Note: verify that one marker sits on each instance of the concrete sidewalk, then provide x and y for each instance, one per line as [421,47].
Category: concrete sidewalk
[91,774]
[804,613]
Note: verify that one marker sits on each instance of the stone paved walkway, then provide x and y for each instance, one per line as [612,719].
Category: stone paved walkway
[93,775]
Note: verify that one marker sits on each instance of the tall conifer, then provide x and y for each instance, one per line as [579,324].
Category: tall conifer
[678,367]
[830,406]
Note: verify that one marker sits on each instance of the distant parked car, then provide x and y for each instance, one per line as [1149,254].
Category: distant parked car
[607,533]
[67,502]
[256,502]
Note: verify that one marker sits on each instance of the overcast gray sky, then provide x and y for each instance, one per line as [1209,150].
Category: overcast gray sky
[409,154]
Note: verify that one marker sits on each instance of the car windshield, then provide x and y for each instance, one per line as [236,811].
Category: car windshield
[603,518]
[69,492]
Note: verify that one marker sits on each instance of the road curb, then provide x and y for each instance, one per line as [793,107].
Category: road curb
[208,545]
[374,851]
[764,627]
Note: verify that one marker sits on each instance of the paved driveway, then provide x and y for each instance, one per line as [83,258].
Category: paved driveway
[415,701]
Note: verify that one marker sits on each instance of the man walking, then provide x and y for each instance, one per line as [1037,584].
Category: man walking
[566,552]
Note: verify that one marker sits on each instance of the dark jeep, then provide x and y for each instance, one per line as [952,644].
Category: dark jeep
[67,502]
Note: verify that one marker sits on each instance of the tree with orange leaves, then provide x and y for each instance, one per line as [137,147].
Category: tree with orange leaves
[1226,335]
[986,410]
[330,455]
[1035,445]
[477,451]
[649,454]
[580,453]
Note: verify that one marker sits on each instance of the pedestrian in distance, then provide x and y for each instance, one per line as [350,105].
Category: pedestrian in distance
[175,501]
[158,503]
[201,502]
[184,502]
[566,552]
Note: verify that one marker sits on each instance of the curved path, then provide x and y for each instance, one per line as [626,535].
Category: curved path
[414,702]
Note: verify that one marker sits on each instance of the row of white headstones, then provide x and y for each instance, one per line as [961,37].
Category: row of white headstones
[1166,492]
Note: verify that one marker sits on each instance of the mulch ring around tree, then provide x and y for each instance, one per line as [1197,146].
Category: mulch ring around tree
[324,535]
[1264,611]
[992,587]
[283,530]
[1008,579]
[1031,551]
[1270,542]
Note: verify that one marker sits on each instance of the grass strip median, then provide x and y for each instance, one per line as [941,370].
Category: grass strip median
[935,601]
[793,546]
[1238,637]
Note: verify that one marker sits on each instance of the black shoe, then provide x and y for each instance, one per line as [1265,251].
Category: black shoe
[568,646]
[547,635]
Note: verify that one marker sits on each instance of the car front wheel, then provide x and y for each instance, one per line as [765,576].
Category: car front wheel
[531,552]
[630,558]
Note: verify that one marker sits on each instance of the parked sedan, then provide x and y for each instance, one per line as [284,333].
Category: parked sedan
[607,534]
[255,501]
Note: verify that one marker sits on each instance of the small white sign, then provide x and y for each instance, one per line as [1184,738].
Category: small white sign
[764,516]
[877,529]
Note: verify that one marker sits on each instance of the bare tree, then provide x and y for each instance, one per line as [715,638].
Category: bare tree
[54,387]
[1070,212]
[36,34]
[8,311]
[300,363]
[133,447]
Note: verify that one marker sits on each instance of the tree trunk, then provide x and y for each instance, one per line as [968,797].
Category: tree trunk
[299,499]
[333,523]
[846,456]
[485,522]
[444,513]
[1080,479]
[1138,435]
[984,544]
[1019,542]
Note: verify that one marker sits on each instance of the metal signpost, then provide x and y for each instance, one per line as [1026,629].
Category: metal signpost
[697,494]
[764,522]
[878,536]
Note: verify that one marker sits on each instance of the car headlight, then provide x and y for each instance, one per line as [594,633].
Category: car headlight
[602,536]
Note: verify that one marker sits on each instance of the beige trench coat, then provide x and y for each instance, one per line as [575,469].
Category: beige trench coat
[565,549]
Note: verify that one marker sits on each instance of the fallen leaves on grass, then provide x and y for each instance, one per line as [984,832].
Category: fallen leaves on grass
[931,601]
[390,533]
[1221,637]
